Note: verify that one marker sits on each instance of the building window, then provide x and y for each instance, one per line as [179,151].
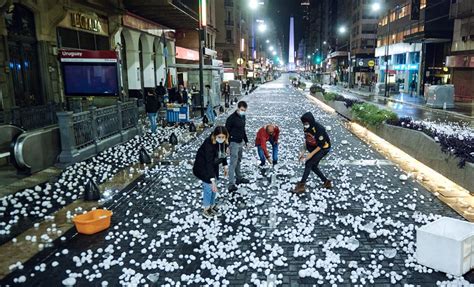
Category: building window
[422,4]
[228,36]
[68,38]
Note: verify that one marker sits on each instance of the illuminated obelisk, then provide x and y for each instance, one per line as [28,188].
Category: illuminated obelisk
[291,51]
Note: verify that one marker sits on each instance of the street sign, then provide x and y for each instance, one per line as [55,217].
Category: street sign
[240,61]
[371,63]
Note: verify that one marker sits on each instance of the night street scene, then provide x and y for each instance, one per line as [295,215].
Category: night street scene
[237,143]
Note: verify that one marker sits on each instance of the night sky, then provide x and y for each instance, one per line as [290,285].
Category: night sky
[279,12]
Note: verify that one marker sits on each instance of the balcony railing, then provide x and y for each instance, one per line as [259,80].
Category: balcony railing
[229,3]
[229,22]
[461,9]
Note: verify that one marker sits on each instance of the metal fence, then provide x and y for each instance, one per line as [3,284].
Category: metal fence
[30,118]
[87,133]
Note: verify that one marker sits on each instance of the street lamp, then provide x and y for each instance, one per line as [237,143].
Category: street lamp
[262,27]
[271,48]
[343,30]
[253,4]
[202,26]
[267,41]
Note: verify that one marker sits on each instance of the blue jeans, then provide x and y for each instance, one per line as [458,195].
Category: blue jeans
[210,114]
[261,154]
[152,118]
[208,196]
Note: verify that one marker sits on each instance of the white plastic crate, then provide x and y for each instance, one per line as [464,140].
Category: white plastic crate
[446,245]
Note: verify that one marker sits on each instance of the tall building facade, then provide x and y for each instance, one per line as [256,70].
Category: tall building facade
[461,60]
[363,42]
[414,36]
[234,41]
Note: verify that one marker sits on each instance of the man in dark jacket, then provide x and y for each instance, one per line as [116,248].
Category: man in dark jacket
[235,124]
[318,145]
[152,105]
[161,92]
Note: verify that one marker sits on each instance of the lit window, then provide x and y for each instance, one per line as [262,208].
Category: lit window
[422,4]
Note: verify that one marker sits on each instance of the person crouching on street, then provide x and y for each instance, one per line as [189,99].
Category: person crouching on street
[268,133]
[318,145]
[210,155]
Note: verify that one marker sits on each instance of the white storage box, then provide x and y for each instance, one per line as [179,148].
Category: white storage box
[446,245]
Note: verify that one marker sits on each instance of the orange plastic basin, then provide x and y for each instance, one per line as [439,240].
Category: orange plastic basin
[93,221]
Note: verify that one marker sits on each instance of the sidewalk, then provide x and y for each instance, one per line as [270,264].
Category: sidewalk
[411,106]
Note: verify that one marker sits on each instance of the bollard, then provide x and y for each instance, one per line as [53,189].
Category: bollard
[91,192]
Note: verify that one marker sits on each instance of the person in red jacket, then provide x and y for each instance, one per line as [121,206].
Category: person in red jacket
[268,133]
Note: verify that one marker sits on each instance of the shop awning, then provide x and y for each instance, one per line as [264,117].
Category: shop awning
[179,14]
[194,67]
[426,37]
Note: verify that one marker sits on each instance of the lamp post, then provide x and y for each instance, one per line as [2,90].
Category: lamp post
[202,25]
[342,31]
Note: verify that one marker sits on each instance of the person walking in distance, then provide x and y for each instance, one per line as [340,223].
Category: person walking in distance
[268,133]
[318,145]
[152,105]
[235,124]
[226,92]
[209,156]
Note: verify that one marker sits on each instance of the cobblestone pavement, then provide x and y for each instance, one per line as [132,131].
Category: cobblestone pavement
[361,232]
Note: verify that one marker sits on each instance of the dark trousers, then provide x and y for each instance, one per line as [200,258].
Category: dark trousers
[313,165]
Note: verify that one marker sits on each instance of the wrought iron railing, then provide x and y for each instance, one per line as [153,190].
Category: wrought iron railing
[81,130]
[30,118]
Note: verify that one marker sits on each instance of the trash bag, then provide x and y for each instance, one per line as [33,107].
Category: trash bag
[192,127]
[235,100]
[91,192]
[173,139]
[144,156]
[221,109]
[205,120]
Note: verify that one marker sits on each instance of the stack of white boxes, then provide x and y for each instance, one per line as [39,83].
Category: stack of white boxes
[446,245]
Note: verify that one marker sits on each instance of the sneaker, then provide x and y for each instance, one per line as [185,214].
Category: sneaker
[208,213]
[327,184]
[232,188]
[216,210]
[243,181]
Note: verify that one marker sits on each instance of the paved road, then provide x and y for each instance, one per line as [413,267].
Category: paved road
[408,110]
[361,232]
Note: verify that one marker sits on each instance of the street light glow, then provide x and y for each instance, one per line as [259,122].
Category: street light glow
[324,43]
[271,48]
[376,6]
[342,29]
[309,57]
[253,4]
[262,27]
[274,53]
[267,41]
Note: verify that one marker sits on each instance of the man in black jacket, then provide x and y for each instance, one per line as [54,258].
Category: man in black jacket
[152,105]
[318,145]
[235,124]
